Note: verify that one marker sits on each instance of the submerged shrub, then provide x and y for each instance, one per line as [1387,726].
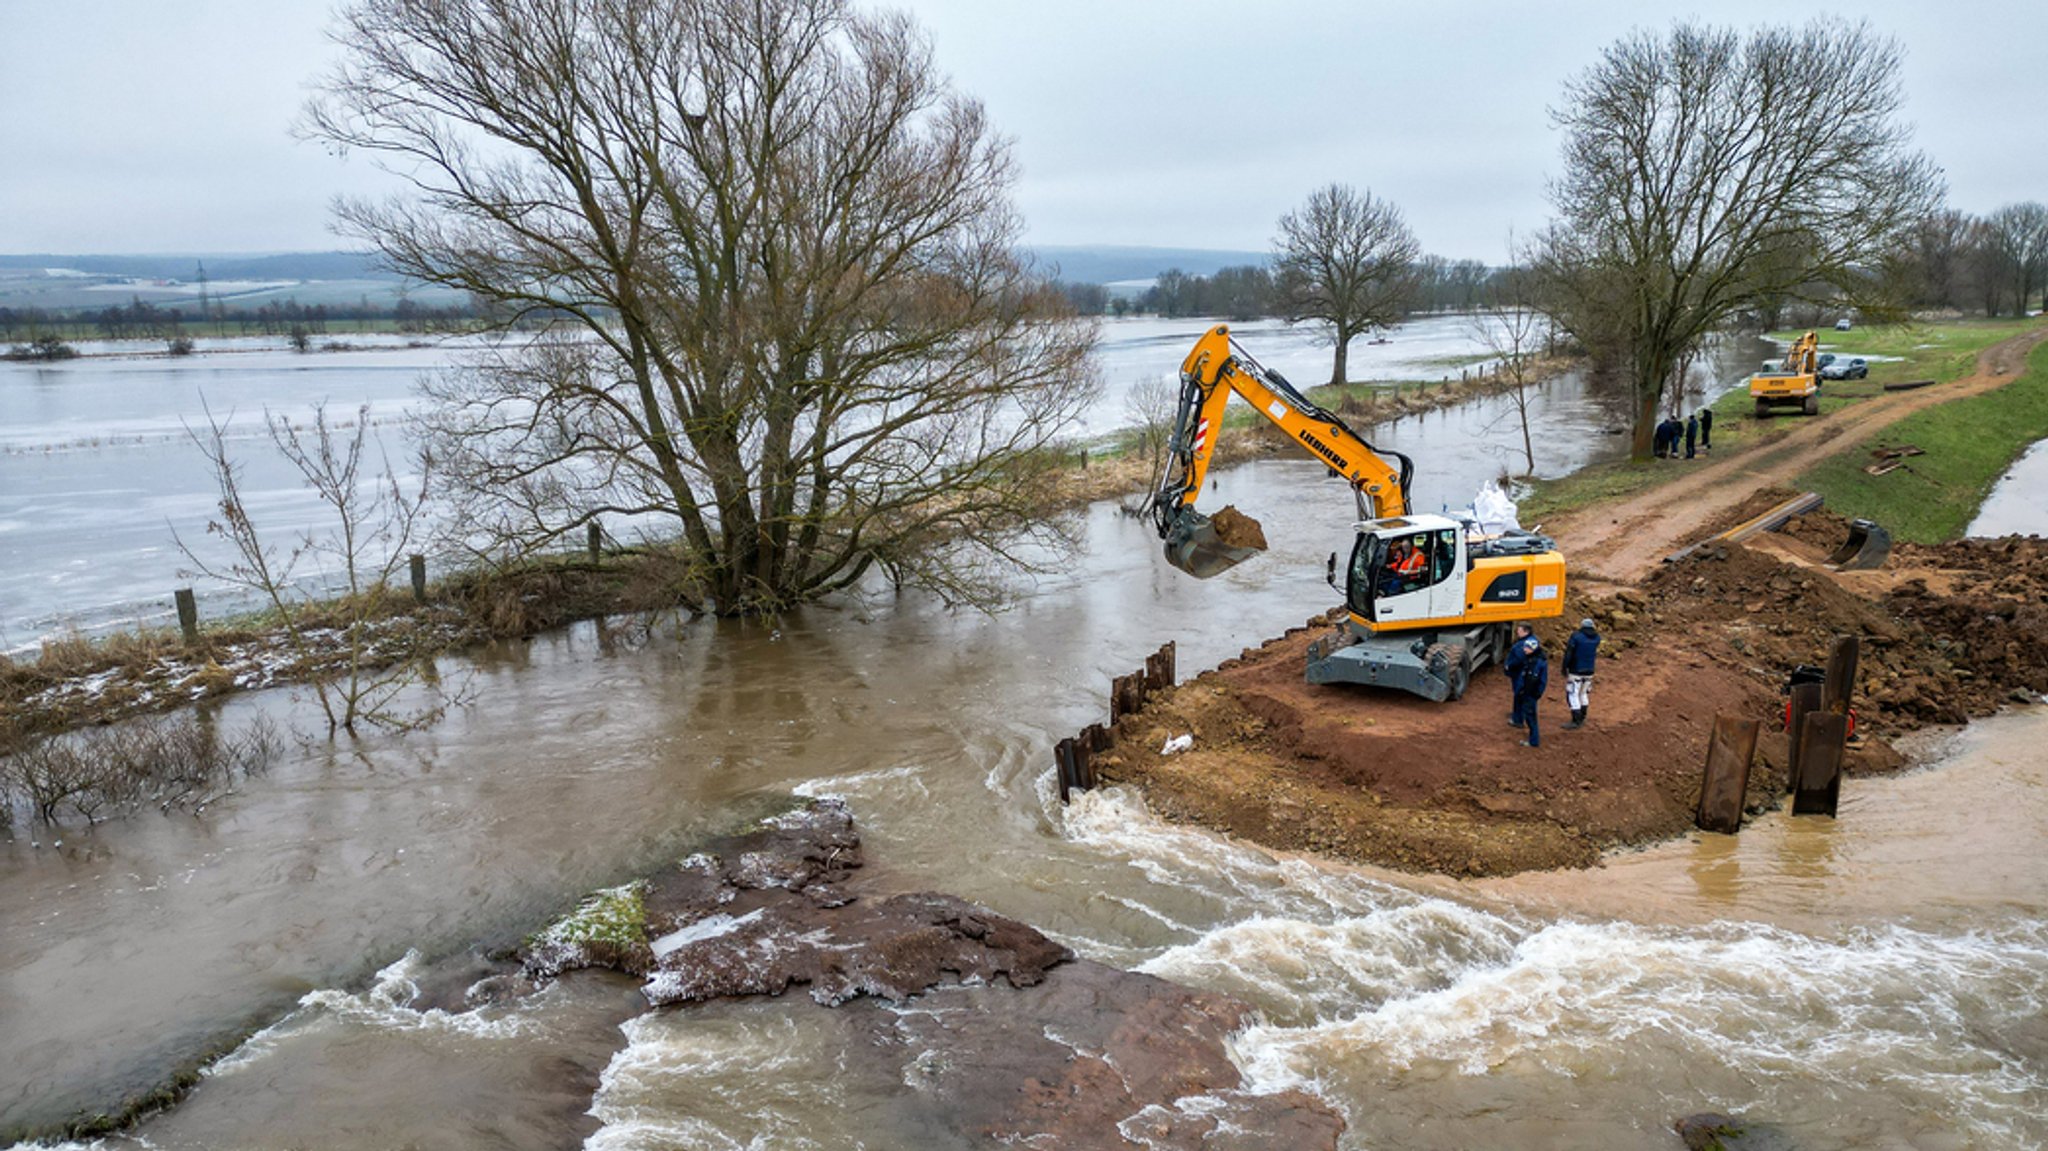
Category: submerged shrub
[105,771]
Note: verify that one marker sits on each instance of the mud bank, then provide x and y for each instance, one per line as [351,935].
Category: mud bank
[1014,1039]
[1384,778]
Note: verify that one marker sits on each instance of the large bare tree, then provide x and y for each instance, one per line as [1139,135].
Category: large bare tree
[1708,172]
[786,321]
[1348,261]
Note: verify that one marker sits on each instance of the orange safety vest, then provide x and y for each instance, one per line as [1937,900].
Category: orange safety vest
[1409,565]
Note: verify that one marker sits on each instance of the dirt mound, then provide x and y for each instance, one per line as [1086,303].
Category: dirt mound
[1388,778]
[1237,529]
[1991,622]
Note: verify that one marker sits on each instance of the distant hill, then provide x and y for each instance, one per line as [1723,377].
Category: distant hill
[1084,264]
[280,266]
[1075,263]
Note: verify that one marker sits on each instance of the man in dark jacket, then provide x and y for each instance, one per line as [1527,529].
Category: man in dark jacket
[1529,687]
[1692,433]
[1579,653]
[1706,429]
[1525,644]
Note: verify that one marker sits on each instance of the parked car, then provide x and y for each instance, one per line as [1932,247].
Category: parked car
[1851,368]
[1842,325]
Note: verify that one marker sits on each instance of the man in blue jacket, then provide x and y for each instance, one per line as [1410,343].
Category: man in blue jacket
[1524,645]
[1529,687]
[1579,653]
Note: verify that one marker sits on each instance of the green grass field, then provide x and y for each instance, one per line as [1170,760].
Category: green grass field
[1942,352]
[1969,444]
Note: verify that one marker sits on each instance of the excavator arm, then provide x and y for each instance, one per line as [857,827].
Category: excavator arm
[1214,369]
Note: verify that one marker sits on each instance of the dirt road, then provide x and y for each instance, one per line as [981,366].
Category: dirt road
[1621,542]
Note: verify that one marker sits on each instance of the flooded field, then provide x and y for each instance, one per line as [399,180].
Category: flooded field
[1876,980]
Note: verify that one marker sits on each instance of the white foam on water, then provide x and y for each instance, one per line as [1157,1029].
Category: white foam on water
[718,1080]
[383,1005]
[1301,969]
[1893,1011]
[105,1143]
[1115,822]
[865,782]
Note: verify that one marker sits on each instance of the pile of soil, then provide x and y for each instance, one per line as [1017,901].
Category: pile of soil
[1237,529]
[1386,778]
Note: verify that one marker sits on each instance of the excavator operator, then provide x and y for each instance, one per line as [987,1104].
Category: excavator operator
[1405,565]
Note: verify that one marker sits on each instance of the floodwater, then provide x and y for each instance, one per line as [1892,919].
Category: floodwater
[1874,981]
[2017,505]
[93,505]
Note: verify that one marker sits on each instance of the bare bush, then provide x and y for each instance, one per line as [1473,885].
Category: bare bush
[376,523]
[182,762]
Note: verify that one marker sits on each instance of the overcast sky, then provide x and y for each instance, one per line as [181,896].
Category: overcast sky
[144,126]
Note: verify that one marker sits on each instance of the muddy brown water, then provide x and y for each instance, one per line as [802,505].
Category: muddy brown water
[1876,981]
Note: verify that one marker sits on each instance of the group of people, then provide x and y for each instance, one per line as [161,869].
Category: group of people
[1528,670]
[1698,429]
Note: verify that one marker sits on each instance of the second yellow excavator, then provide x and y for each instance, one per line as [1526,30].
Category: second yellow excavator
[1430,598]
[1793,382]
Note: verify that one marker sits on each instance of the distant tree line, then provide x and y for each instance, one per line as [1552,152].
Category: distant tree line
[139,319]
[1252,292]
[1996,264]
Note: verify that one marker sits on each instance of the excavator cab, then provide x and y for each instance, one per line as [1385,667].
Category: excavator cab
[1407,570]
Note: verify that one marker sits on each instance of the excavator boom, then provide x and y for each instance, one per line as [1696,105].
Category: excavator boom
[1203,546]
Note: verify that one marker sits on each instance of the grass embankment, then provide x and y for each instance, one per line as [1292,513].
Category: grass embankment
[1940,352]
[1969,444]
[76,679]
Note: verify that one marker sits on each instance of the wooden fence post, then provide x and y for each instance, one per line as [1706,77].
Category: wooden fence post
[188,614]
[419,579]
[596,540]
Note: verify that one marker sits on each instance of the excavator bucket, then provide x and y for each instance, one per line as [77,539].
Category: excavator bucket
[1867,546]
[1205,546]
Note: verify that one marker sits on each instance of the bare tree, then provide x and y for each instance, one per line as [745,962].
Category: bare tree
[1511,326]
[1346,260]
[1936,257]
[2015,239]
[788,320]
[1707,171]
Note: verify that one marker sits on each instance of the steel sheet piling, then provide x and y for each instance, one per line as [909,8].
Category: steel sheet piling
[1805,700]
[1074,758]
[1730,751]
[1817,773]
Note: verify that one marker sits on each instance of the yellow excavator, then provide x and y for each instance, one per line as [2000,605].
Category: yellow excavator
[1793,382]
[1431,598]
